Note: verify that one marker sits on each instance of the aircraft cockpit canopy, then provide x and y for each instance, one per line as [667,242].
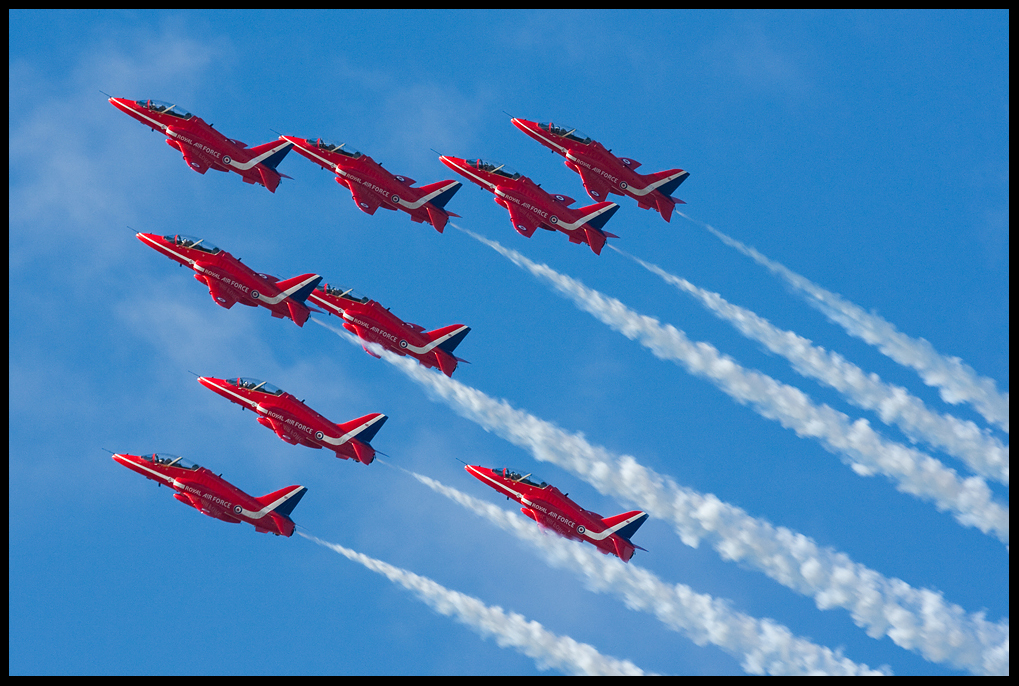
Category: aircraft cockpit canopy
[193,243]
[566,132]
[345,293]
[495,168]
[255,385]
[522,477]
[341,148]
[160,107]
[167,460]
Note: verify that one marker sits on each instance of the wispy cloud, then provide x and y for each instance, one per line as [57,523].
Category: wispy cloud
[956,381]
[916,619]
[510,629]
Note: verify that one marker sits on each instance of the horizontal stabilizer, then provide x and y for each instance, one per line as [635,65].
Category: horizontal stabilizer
[270,178]
[437,218]
[596,239]
[447,363]
[298,312]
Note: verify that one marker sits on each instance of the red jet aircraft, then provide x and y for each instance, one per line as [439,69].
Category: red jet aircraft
[213,496]
[604,173]
[205,148]
[230,282]
[296,423]
[530,207]
[373,187]
[373,323]
[551,509]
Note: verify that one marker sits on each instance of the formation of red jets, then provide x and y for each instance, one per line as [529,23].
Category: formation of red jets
[230,282]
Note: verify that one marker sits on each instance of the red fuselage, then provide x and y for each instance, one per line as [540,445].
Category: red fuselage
[298,424]
[531,208]
[373,323]
[604,173]
[205,148]
[552,510]
[230,282]
[213,496]
[373,187]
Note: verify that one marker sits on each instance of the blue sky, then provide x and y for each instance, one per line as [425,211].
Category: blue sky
[865,151]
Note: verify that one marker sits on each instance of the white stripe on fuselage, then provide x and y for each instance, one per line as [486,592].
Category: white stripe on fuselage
[551,142]
[650,188]
[484,182]
[255,406]
[413,348]
[351,434]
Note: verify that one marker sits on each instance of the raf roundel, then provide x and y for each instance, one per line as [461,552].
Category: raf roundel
[403,344]
[226,159]
[319,435]
[581,529]
[254,295]
[237,509]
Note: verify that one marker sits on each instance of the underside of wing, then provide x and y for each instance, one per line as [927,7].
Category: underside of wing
[595,186]
[221,296]
[524,222]
[281,431]
[367,201]
[193,162]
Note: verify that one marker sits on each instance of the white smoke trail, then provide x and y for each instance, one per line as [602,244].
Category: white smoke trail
[867,452]
[762,646]
[509,628]
[918,620]
[979,449]
[956,381]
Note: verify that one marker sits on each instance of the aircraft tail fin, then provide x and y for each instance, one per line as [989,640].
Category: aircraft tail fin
[274,152]
[364,428]
[285,499]
[674,176]
[299,287]
[444,191]
[627,523]
[450,336]
[597,214]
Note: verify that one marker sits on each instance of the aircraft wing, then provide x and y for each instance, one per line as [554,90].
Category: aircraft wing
[595,186]
[365,199]
[193,162]
[220,295]
[524,222]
